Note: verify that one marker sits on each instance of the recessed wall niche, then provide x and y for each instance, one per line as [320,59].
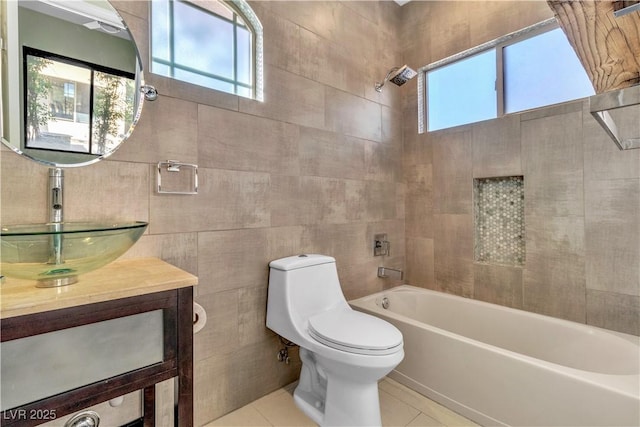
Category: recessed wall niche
[499,220]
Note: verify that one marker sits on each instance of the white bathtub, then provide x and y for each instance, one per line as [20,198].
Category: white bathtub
[500,366]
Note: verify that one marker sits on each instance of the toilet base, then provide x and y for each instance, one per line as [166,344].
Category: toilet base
[331,399]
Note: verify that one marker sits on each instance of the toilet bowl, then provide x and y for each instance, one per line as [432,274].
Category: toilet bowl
[344,352]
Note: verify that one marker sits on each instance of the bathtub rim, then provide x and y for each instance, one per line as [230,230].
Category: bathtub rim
[627,385]
[400,288]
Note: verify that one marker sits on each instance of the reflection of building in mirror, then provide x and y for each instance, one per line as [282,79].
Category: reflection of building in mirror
[75,106]
[57,105]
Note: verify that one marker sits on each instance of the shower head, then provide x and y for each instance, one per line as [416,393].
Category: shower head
[398,76]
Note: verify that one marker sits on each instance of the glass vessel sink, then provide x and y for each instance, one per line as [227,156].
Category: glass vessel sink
[54,254]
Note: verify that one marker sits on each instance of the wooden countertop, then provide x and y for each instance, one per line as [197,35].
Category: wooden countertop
[120,279]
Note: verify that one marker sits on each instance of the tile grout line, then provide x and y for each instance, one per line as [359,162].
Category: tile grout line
[414,418]
[254,406]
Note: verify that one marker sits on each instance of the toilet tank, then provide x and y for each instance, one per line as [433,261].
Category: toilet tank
[299,287]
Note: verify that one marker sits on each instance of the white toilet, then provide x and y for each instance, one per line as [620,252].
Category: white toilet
[344,352]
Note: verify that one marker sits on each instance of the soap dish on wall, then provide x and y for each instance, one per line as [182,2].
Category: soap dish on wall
[172,179]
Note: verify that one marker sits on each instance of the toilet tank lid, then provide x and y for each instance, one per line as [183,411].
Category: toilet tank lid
[300,261]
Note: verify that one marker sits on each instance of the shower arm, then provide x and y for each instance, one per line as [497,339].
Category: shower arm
[379,85]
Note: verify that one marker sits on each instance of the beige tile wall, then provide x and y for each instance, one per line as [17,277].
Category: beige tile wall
[317,167]
[582,195]
[326,162]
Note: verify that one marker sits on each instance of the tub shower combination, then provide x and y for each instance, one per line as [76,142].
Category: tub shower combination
[502,366]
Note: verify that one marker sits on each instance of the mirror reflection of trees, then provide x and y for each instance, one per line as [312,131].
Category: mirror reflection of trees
[37,93]
[112,110]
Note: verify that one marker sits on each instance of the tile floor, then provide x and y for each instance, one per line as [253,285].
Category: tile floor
[399,405]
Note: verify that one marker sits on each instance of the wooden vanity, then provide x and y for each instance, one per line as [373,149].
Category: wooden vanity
[120,290]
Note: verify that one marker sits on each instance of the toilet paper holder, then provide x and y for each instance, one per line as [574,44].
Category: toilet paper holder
[199,317]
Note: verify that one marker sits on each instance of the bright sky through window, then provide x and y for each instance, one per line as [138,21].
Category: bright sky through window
[210,47]
[536,71]
[542,70]
[462,92]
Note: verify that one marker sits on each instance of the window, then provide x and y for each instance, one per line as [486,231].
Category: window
[75,106]
[458,87]
[212,44]
[528,69]
[542,70]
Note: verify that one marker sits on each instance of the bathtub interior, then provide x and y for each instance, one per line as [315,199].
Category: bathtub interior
[454,354]
[553,340]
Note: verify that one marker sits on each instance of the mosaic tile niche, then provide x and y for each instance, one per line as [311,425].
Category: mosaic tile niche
[499,220]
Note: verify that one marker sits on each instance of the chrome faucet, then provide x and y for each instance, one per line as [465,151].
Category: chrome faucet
[391,273]
[56,217]
[56,184]
[59,275]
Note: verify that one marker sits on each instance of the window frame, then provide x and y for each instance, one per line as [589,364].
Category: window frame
[92,69]
[241,11]
[531,32]
[482,92]
[498,45]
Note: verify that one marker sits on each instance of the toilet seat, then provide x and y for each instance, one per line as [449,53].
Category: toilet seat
[354,332]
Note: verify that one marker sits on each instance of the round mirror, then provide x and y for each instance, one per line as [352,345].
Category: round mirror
[71,80]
